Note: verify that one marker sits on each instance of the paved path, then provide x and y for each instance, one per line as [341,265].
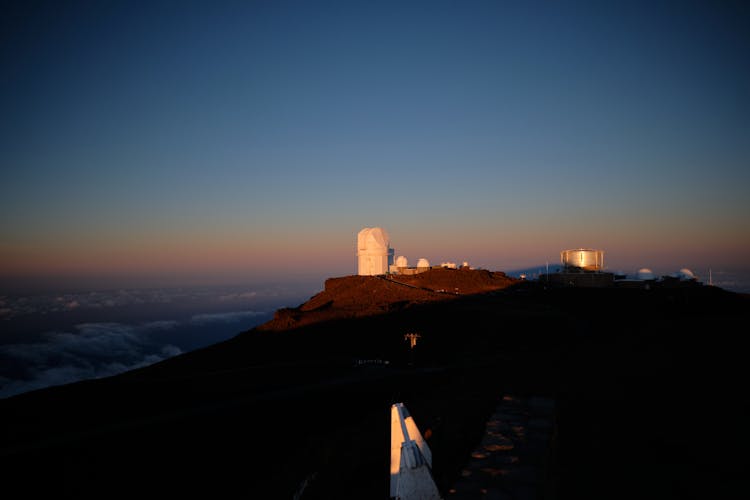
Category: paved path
[511,461]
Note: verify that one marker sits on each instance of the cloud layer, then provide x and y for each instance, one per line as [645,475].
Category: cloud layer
[12,306]
[224,317]
[94,350]
[56,338]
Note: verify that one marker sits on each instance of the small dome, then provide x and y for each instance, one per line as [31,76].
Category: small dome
[645,274]
[685,274]
[401,261]
[423,263]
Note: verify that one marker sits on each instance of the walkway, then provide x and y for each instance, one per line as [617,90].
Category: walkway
[512,460]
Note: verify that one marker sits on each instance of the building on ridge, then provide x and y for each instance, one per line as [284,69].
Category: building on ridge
[374,252]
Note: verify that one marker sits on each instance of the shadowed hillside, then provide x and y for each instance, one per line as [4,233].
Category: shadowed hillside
[646,385]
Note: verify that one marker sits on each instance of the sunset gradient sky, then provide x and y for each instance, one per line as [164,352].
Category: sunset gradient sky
[220,142]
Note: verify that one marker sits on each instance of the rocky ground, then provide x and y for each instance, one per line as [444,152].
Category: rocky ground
[360,296]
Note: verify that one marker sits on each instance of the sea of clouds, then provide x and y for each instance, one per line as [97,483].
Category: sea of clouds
[92,350]
[169,322]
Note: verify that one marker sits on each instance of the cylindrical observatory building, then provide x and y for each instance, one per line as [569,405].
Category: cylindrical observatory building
[585,259]
[374,252]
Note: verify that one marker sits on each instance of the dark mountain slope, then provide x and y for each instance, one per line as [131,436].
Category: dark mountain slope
[645,382]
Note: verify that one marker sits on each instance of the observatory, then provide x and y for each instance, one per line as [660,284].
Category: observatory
[583,258]
[684,274]
[645,274]
[374,252]
[423,265]
[681,279]
[644,279]
[582,267]
[402,263]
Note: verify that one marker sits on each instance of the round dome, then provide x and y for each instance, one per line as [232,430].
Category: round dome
[423,263]
[685,274]
[645,274]
[401,261]
[373,240]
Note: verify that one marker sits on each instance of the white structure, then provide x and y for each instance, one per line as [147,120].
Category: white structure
[448,265]
[684,274]
[645,274]
[423,264]
[411,459]
[583,258]
[401,261]
[374,252]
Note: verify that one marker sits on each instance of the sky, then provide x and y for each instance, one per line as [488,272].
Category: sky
[154,143]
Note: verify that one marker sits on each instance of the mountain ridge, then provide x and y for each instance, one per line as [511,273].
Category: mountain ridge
[297,401]
[357,296]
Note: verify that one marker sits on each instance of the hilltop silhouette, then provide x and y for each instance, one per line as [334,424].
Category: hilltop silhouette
[645,383]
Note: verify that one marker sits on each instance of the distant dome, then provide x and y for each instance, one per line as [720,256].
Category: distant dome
[401,261]
[645,274]
[685,274]
[423,263]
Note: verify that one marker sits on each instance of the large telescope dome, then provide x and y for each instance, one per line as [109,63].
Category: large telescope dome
[374,251]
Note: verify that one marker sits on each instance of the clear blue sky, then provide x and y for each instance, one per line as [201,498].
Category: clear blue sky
[252,140]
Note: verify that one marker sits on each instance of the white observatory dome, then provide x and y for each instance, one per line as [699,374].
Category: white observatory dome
[422,263]
[685,274]
[401,261]
[645,274]
[373,251]
[373,240]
